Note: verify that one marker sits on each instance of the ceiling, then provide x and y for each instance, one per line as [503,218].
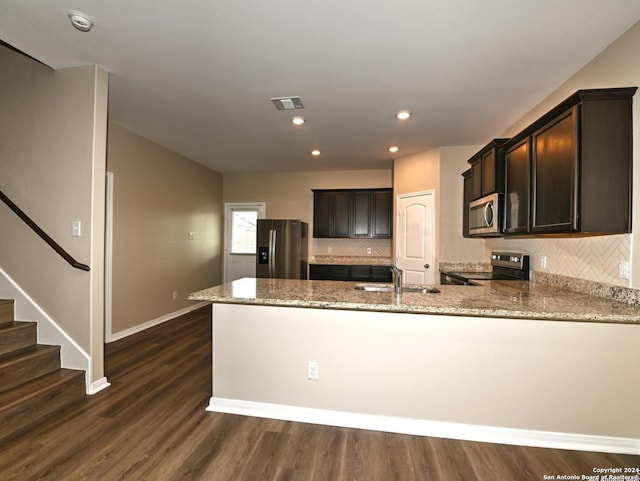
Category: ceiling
[196,76]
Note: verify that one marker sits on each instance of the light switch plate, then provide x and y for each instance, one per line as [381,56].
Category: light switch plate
[76,228]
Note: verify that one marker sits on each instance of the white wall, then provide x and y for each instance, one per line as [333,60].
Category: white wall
[53,150]
[158,198]
[289,196]
[454,247]
[539,376]
[441,170]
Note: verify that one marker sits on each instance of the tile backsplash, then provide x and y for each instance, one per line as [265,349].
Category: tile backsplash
[351,247]
[589,258]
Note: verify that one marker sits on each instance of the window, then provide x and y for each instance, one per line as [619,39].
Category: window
[243,231]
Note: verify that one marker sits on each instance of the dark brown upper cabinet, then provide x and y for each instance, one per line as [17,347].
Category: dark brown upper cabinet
[381,208]
[331,216]
[516,199]
[487,167]
[361,211]
[467,197]
[570,172]
[352,213]
[554,171]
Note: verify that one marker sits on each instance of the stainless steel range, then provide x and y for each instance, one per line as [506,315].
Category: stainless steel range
[504,266]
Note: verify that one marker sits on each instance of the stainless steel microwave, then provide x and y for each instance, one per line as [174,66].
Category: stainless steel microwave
[485,216]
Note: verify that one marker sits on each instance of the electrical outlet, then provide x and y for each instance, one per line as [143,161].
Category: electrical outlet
[175,295]
[191,235]
[543,262]
[623,270]
[313,370]
[328,250]
[368,250]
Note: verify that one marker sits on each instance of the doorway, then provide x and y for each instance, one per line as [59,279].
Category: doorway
[108,257]
[416,236]
[240,239]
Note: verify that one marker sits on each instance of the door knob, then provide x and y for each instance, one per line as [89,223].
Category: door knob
[426,266]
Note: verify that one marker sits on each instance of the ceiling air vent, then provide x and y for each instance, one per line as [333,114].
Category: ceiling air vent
[287,103]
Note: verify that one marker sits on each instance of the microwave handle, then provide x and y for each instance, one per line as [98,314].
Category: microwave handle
[488,207]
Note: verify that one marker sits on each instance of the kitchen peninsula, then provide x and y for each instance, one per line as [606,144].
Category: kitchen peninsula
[507,361]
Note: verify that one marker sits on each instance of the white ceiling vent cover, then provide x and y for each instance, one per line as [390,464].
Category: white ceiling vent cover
[287,103]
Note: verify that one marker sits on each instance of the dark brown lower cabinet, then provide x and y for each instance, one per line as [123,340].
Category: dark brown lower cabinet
[362,273]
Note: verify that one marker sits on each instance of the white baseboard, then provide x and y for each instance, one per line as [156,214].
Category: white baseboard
[99,385]
[419,427]
[154,322]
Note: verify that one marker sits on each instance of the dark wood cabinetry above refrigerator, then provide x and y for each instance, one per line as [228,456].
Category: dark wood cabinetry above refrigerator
[352,213]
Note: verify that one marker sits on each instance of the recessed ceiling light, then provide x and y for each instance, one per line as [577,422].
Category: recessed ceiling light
[297,120]
[81,21]
[393,149]
[403,115]
[315,152]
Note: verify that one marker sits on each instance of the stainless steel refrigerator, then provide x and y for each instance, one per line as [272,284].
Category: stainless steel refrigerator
[282,249]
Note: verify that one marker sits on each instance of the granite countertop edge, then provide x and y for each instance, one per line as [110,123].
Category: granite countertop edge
[509,299]
[350,260]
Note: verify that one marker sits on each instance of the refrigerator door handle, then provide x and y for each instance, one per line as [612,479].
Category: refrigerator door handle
[272,253]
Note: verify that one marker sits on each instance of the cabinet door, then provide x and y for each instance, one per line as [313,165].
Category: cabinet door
[322,214]
[341,214]
[554,170]
[319,272]
[489,172]
[360,273]
[466,198]
[476,176]
[380,274]
[382,205]
[361,214]
[339,273]
[517,188]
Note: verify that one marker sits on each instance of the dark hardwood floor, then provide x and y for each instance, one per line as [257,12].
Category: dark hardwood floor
[151,424]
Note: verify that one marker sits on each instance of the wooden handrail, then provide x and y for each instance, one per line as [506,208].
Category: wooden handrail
[43,235]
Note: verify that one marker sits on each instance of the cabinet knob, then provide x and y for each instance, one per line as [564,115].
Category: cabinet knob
[426,266]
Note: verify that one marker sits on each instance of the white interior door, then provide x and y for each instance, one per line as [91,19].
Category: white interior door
[240,239]
[415,237]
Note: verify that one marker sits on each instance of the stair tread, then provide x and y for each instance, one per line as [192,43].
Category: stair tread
[25,353]
[11,325]
[35,387]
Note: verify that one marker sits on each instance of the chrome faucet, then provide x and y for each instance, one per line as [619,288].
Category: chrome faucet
[397,279]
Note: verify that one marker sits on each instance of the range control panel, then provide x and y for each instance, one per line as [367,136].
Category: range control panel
[511,260]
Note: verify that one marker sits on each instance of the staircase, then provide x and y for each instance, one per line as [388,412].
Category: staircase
[32,383]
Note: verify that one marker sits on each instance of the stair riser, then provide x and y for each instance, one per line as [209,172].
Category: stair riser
[6,311]
[28,368]
[20,336]
[28,413]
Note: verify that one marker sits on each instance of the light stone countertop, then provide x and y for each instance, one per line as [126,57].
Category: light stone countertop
[509,299]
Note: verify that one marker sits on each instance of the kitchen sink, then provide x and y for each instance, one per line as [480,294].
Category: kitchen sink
[423,290]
